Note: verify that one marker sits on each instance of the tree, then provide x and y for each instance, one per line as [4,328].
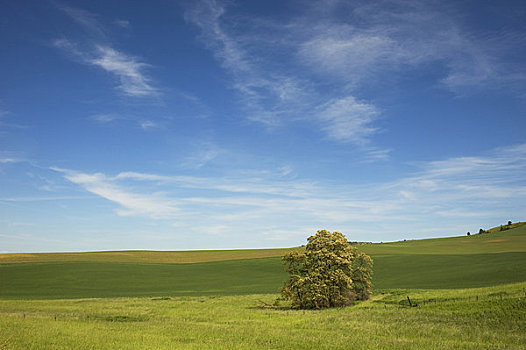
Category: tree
[322,276]
[362,275]
[509,223]
[469,233]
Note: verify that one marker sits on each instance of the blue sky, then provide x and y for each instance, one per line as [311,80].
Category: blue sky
[242,124]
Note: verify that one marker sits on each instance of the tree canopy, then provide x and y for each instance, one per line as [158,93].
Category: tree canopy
[330,272]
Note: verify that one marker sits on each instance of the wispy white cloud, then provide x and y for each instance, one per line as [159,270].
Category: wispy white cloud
[122,23]
[267,96]
[202,155]
[446,195]
[97,51]
[10,160]
[105,118]
[151,205]
[344,52]
[136,121]
[348,120]
[373,154]
[292,71]
[5,124]
[272,93]
[148,124]
[128,69]
[391,36]
[87,20]
[38,199]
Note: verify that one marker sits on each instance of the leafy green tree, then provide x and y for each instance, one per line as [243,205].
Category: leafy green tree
[322,276]
[362,275]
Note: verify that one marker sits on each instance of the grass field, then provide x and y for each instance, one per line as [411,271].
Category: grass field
[458,262]
[221,299]
[103,279]
[513,240]
[145,256]
[486,318]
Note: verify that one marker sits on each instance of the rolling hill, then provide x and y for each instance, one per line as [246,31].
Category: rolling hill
[493,258]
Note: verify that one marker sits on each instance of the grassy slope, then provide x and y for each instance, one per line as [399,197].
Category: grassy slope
[145,256]
[513,240]
[104,279]
[458,262]
[454,262]
[487,318]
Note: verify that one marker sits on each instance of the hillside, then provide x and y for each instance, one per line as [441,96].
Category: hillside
[458,262]
[494,241]
[146,256]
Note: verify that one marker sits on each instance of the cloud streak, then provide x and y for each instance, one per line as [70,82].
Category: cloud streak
[130,72]
[312,68]
[446,194]
[270,94]
[87,20]
[97,51]
[153,206]
[348,120]
[391,36]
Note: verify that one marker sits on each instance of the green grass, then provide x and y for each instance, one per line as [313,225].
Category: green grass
[253,276]
[495,241]
[513,240]
[486,318]
[103,279]
[145,256]
[448,271]
[221,299]
[457,262]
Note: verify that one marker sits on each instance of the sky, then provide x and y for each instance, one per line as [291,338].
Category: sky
[210,124]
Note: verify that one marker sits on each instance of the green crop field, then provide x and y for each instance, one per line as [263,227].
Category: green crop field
[145,256]
[222,299]
[457,262]
[485,318]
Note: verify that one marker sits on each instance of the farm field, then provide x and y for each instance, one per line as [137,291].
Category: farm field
[223,299]
[457,262]
[484,318]
[145,256]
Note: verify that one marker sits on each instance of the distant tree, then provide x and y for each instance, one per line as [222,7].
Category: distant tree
[469,234]
[509,223]
[329,273]
[481,231]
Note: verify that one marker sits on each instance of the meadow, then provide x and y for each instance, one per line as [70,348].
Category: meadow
[225,299]
[483,318]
